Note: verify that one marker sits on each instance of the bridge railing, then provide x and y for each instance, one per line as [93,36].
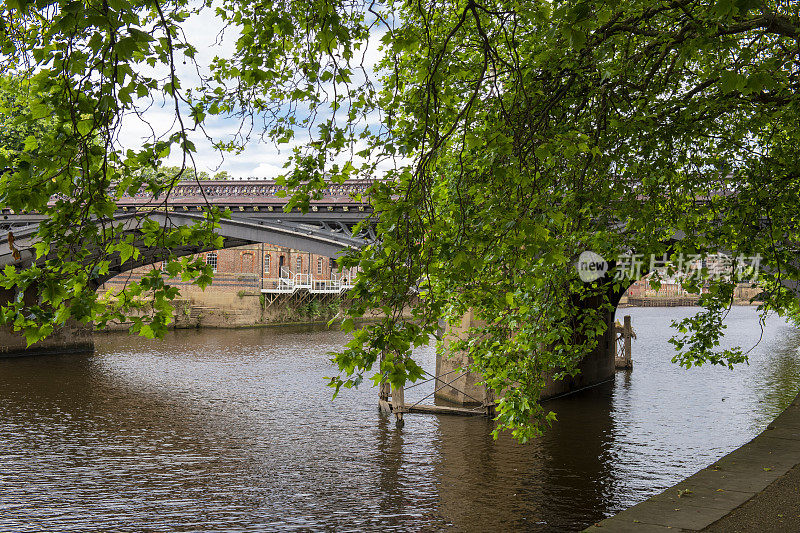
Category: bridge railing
[251,191]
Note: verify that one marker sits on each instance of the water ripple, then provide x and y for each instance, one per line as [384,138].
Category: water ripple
[235,431]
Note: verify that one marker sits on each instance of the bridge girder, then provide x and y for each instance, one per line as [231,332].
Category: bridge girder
[323,235]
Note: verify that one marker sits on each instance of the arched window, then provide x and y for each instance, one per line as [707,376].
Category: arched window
[247,261]
[299,264]
[266,264]
[211,260]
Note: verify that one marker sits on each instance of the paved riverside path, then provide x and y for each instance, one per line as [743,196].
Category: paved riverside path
[753,488]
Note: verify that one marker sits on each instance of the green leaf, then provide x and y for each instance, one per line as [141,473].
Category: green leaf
[39,110]
[731,81]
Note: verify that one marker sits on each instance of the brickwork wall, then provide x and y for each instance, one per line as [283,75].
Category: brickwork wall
[234,297]
[641,289]
[640,293]
[240,268]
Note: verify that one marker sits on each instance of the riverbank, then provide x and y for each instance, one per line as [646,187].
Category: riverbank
[249,309]
[686,300]
[754,488]
[677,301]
[673,294]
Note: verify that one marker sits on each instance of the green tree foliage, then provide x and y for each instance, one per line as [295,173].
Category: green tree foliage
[73,72]
[512,136]
[16,127]
[182,173]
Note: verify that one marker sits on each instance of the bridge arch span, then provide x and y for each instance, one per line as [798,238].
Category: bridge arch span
[313,236]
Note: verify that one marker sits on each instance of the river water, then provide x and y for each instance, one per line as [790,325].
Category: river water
[221,430]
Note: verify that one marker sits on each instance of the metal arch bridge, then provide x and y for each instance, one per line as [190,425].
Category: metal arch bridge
[257,216]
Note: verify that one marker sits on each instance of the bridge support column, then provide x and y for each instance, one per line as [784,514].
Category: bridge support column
[74,337]
[597,367]
[464,388]
[453,384]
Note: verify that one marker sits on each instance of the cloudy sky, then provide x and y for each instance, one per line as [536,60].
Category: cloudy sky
[259,159]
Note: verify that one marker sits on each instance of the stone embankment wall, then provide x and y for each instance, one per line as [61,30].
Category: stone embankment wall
[235,300]
[673,296]
[73,337]
[247,309]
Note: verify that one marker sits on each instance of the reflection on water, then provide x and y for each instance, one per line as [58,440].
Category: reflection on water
[235,431]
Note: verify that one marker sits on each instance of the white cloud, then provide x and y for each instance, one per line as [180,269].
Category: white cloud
[259,159]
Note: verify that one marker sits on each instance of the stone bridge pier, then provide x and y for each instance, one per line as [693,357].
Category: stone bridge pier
[453,385]
[74,337]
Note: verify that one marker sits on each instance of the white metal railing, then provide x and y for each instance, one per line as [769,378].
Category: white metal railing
[277,285]
[346,282]
[302,281]
[289,283]
[327,286]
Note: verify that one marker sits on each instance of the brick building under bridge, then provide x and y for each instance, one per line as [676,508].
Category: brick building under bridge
[257,284]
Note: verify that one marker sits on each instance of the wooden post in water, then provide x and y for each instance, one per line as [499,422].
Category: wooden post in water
[488,402]
[384,391]
[627,334]
[623,335]
[398,404]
